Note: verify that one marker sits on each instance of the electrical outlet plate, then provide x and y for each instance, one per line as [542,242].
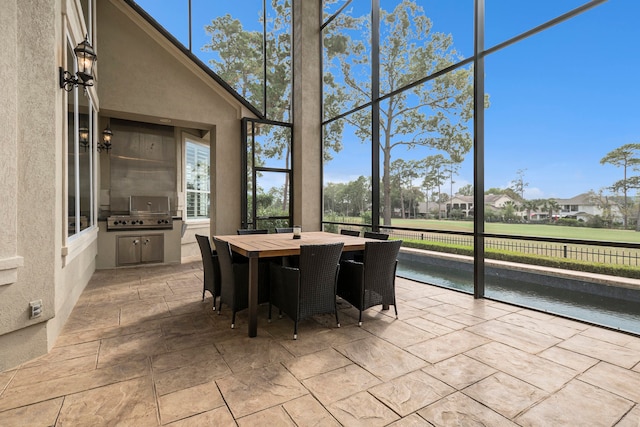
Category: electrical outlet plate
[36,308]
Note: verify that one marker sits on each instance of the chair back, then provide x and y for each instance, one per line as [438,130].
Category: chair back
[374,235]
[380,261]
[209,265]
[251,231]
[284,230]
[226,263]
[318,278]
[355,233]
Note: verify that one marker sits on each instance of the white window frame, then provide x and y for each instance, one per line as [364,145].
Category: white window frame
[76,243]
[199,144]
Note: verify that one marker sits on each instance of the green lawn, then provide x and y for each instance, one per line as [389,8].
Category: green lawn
[540,230]
[578,254]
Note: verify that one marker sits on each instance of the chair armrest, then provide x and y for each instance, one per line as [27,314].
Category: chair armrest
[350,280]
[285,288]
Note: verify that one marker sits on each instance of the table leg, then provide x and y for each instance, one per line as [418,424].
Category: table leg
[253,296]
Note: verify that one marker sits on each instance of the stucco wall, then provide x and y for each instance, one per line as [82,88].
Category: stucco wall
[29,48]
[144,76]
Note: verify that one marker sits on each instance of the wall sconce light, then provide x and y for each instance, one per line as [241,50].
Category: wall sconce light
[83,135]
[106,140]
[86,58]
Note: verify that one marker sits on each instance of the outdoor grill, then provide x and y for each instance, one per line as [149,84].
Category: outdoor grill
[145,213]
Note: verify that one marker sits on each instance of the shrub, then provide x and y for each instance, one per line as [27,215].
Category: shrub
[570,222]
[366,218]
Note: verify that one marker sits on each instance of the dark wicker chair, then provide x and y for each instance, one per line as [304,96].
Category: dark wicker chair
[251,231]
[284,230]
[359,256]
[211,268]
[292,260]
[309,289]
[371,282]
[234,281]
[374,235]
[349,255]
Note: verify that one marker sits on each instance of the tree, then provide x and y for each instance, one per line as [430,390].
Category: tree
[553,206]
[434,178]
[625,157]
[529,206]
[239,61]
[466,190]
[358,192]
[509,211]
[240,56]
[602,202]
[543,205]
[402,174]
[434,115]
[518,185]
[506,191]
[451,169]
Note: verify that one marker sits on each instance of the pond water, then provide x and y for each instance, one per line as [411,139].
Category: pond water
[605,311]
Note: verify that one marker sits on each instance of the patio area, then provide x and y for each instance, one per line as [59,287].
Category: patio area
[142,349]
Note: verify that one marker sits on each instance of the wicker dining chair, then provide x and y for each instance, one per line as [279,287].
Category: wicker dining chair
[349,255]
[291,260]
[284,230]
[251,231]
[309,289]
[371,282]
[211,268]
[377,236]
[359,255]
[234,281]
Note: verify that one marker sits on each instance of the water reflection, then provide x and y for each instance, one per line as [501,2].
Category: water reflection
[611,312]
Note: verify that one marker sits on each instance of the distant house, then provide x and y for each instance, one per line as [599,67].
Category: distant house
[464,204]
[582,207]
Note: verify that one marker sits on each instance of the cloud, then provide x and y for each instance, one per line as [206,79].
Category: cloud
[533,193]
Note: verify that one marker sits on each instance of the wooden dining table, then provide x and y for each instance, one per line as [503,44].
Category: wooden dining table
[260,246]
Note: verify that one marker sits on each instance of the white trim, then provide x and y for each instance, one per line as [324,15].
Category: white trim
[9,269]
[78,244]
[190,138]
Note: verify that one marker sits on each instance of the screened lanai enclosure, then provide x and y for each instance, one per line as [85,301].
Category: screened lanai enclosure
[497,139]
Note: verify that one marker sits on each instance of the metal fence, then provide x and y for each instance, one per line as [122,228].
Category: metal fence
[600,254]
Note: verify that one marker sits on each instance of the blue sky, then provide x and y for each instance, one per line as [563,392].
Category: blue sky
[560,100]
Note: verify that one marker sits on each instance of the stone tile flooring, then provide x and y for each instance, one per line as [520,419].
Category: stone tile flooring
[142,349]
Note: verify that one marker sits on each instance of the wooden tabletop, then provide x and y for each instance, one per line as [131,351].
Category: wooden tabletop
[283,244]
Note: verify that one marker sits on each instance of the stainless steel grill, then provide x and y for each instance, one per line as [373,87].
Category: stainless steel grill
[145,213]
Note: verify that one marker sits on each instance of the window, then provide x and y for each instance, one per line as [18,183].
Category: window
[268,172]
[80,155]
[197,170]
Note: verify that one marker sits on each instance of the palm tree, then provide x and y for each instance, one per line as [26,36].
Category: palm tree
[543,205]
[529,205]
[553,206]
[509,210]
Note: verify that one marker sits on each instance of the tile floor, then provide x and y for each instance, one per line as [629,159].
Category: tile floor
[142,349]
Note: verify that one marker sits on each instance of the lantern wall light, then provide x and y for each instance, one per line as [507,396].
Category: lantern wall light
[86,59]
[106,140]
[84,137]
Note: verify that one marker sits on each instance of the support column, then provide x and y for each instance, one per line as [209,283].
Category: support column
[307,115]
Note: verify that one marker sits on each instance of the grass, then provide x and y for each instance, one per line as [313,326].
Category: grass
[605,260]
[538,230]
